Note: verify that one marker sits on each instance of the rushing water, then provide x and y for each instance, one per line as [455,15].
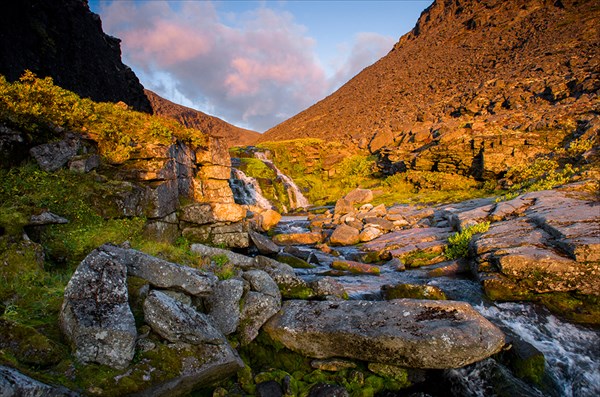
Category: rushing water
[572,352]
[296,198]
[246,190]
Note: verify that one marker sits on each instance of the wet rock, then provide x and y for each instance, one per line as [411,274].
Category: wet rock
[396,264]
[355,267]
[260,281]
[297,238]
[54,155]
[15,384]
[178,322]
[394,372]
[95,315]
[293,261]
[223,305]
[163,274]
[472,217]
[450,269]
[411,333]
[412,291]
[344,235]
[263,243]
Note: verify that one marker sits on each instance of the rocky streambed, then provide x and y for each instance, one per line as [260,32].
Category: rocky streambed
[357,300]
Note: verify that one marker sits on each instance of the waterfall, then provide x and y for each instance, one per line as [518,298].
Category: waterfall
[247,191]
[297,199]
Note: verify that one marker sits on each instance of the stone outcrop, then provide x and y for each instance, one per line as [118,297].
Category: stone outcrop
[95,315]
[65,41]
[410,333]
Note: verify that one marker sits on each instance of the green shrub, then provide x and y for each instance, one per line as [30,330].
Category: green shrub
[458,243]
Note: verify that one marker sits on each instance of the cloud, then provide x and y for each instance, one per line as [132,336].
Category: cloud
[255,71]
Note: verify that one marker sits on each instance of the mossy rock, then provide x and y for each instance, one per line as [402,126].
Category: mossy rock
[28,346]
[412,291]
[583,309]
[293,261]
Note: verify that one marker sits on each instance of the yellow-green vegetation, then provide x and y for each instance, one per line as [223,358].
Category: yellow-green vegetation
[267,360]
[458,243]
[43,110]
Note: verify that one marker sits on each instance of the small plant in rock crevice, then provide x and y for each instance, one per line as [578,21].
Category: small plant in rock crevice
[458,243]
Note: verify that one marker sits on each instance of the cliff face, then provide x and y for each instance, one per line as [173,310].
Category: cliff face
[474,87]
[64,40]
[210,125]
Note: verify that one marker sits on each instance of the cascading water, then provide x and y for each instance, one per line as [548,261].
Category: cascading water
[296,198]
[247,191]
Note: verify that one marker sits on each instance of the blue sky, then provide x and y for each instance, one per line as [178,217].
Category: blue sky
[253,63]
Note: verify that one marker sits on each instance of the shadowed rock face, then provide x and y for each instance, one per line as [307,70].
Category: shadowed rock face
[404,332]
[476,85]
[64,40]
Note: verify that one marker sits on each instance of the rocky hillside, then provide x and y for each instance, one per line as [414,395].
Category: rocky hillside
[64,40]
[475,87]
[192,118]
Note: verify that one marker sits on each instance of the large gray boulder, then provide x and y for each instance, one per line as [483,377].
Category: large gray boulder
[95,315]
[178,322]
[54,155]
[161,273]
[261,303]
[223,305]
[403,332]
[238,260]
[15,384]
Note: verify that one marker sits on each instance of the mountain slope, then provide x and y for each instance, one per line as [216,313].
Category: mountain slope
[64,40]
[474,86]
[210,125]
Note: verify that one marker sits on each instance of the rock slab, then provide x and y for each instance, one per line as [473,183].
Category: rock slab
[403,332]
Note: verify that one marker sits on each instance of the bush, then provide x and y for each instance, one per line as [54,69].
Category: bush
[458,243]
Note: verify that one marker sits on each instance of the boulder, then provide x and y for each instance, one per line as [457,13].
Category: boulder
[84,164]
[264,244]
[403,332]
[268,219]
[260,304]
[378,222]
[290,285]
[293,261]
[46,218]
[95,315]
[342,207]
[369,233]
[359,196]
[238,260]
[297,238]
[223,305]
[344,235]
[163,274]
[15,384]
[192,367]
[54,155]
[178,322]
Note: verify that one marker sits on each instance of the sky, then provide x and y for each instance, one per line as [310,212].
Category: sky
[252,63]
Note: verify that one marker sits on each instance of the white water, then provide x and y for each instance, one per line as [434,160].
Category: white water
[248,191]
[572,352]
[297,199]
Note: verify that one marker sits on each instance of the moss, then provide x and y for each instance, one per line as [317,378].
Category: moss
[299,291]
[28,346]
[421,258]
[412,291]
[583,309]
[531,369]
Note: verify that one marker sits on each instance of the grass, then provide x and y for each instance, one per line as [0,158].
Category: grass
[458,243]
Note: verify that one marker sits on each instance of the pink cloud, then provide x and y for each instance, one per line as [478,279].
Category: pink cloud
[256,73]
